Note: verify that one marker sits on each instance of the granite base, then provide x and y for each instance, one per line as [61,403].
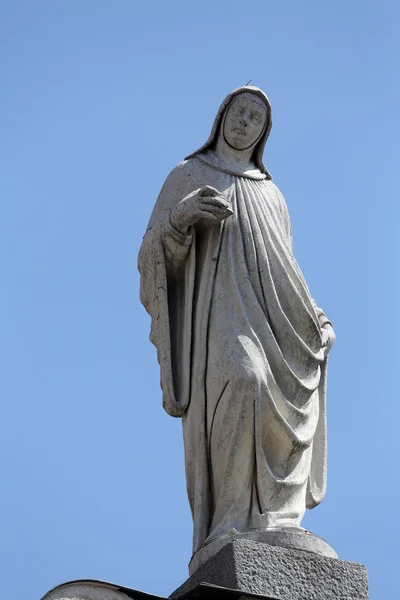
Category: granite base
[287,574]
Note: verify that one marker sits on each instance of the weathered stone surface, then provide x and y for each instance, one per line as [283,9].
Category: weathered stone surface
[93,589]
[80,590]
[241,343]
[291,538]
[254,567]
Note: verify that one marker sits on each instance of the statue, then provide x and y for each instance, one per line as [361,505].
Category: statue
[242,345]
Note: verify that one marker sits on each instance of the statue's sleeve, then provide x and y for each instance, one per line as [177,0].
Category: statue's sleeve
[166,292]
[176,244]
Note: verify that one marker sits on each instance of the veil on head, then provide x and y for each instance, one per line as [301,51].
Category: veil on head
[260,145]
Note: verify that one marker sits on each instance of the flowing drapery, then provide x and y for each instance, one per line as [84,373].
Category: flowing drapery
[239,344]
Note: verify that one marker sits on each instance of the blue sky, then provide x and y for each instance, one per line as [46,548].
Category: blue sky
[99,100]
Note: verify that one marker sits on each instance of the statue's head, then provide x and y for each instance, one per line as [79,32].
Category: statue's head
[245,120]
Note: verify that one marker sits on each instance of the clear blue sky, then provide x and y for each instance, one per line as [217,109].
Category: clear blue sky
[99,100]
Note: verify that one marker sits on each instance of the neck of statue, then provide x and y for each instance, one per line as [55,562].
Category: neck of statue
[237,159]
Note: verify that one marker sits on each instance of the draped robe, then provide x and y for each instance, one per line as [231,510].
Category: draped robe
[240,350]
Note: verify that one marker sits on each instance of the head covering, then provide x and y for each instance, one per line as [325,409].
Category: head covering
[260,145]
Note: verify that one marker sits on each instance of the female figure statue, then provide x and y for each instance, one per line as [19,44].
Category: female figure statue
[242,345]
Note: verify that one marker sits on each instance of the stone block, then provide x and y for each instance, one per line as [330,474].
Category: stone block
[259,568]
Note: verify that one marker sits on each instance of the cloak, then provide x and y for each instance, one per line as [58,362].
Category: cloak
[239,343]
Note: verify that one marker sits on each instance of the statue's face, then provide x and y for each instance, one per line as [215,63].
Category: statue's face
[244,121]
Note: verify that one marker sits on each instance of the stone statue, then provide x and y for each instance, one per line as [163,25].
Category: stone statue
[241,343]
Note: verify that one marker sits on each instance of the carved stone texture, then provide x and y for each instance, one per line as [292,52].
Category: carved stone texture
[294,539]
[254,567]
[241,343]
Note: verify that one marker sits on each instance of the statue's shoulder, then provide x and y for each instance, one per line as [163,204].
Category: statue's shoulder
[183,179]
[274,190]
[271,186]
[276,197]
[186,174]
[187,168]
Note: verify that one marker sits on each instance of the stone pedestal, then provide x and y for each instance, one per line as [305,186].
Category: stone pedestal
[241,570]
[293,538]
[253,567]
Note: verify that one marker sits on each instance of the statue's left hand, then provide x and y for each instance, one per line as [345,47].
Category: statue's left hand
[328,338]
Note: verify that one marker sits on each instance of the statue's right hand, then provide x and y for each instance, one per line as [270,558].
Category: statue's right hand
[205,203]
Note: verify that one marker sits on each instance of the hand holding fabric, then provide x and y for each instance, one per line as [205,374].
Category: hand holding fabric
[328,338]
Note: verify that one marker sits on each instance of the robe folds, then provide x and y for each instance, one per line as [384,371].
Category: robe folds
[239,341]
